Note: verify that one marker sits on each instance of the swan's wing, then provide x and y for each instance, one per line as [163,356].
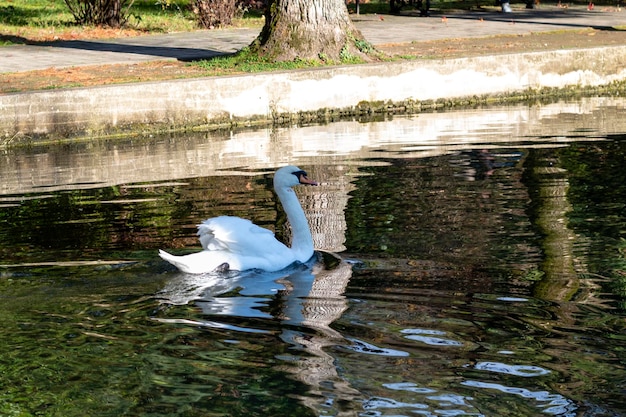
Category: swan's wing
[237,236]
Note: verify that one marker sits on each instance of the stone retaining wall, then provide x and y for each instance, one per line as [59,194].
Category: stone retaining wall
[264,97]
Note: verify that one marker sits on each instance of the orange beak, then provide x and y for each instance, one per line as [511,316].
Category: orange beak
[306,181]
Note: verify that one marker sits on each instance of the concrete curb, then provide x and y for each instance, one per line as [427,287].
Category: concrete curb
[182,104]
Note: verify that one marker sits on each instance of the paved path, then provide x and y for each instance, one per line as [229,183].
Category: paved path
[388,29]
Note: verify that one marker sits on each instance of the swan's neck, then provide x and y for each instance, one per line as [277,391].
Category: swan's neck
[301,239]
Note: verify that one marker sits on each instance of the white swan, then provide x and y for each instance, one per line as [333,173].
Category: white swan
[238,244]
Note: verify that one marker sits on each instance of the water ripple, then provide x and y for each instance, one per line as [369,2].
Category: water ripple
[513,299]
[210,324]
[554,404]
[363,347]
[378,402]
[517,370]
[409,386]
[432,406]
[425,336]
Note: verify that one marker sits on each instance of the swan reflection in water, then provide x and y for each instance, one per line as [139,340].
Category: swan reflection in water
[310,296]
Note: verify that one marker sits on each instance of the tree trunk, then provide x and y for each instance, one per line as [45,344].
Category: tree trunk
[112,15]
[310,30]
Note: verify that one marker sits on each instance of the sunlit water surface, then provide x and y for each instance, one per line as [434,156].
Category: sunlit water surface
[472,263]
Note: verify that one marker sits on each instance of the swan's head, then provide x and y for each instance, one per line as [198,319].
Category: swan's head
[291,175]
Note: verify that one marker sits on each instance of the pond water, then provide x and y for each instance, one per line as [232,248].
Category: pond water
[471,263]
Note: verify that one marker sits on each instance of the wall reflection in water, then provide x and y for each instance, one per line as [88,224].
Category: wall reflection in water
[169,159]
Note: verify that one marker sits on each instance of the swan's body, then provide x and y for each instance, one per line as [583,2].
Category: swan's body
[238,244]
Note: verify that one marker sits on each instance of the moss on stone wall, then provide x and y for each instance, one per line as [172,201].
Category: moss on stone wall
[364,111]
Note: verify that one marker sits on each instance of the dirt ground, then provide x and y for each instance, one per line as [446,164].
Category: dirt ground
[450,48]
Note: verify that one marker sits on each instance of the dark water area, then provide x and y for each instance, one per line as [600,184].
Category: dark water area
[470,264]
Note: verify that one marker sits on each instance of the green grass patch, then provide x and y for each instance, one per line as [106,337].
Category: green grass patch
[159,15]
[245,61]
[162,16]
[22,20]
[33,13]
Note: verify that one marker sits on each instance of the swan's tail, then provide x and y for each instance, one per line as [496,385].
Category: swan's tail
[196,263]
[173,259]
